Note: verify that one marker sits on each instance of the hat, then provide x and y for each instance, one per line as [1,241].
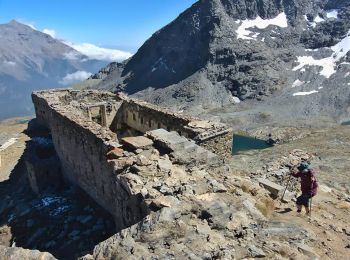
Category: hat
[303,166]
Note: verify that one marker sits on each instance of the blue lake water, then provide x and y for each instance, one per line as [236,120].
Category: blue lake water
[245,143]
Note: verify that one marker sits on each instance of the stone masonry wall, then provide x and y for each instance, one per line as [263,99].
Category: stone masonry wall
[144,117]
[82,146]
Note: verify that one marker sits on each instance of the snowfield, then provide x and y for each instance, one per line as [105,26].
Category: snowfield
[305,93]
[332,14]
[328,64]
[297,83]
[242,32]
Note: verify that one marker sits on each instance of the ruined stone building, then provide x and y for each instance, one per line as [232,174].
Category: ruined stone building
[98,135]
[162,178]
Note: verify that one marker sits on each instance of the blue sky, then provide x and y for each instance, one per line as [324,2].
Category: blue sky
[122,24]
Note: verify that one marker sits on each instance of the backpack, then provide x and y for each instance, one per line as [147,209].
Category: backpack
[314,186]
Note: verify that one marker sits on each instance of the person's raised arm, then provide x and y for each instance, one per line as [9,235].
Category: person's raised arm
[294,172]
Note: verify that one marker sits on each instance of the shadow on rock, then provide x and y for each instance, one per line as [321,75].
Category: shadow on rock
[59,218]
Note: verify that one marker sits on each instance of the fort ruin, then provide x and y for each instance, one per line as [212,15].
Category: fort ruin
[102,139]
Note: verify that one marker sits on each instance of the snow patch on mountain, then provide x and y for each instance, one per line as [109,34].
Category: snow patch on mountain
[306,93]
[328,64]
[342,48]
[297,83]
[243,32]
[332,14]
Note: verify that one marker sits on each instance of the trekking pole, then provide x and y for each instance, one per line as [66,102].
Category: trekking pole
[290,177]
[310,206]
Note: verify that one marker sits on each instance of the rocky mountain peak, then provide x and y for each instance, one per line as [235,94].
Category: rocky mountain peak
[219,52]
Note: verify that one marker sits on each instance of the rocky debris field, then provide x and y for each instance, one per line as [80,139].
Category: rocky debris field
[198,207]
[199,213]
[203,211]
[328,151]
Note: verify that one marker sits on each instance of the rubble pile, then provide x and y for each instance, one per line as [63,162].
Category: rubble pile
[196,210]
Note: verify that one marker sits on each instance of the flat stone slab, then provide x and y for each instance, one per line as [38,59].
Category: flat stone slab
[137,142]
[169,138]
[272,187]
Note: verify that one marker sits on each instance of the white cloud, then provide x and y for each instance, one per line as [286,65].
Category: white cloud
[90,50]
[242,32]
[9,63]
[75,77]
[50,32]
[98,53]
[30,24]
[72,55]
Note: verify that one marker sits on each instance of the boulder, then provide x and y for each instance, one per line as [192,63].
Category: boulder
[306,250]
[256,252]
[164,165]
[137,142]
[9,253]
[115,153]
[274,188]
[141,160]
[164,201]
[217,186]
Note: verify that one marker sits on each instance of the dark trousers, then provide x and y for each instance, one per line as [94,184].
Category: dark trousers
[303,199]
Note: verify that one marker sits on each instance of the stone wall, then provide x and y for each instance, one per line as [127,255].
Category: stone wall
[144,117]
[82,145]
[43,173]
[220,145]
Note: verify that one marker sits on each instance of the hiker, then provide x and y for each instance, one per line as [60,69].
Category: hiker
[308,186]
[271,141]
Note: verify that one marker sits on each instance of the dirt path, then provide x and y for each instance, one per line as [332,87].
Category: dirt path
[9,157]
[328,226]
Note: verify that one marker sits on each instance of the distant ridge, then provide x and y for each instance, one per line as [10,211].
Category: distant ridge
[31,60]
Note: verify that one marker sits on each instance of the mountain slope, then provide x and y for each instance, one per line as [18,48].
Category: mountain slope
[224,51]
[31,60]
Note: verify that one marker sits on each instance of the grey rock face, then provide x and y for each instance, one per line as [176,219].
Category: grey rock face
[201,58]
